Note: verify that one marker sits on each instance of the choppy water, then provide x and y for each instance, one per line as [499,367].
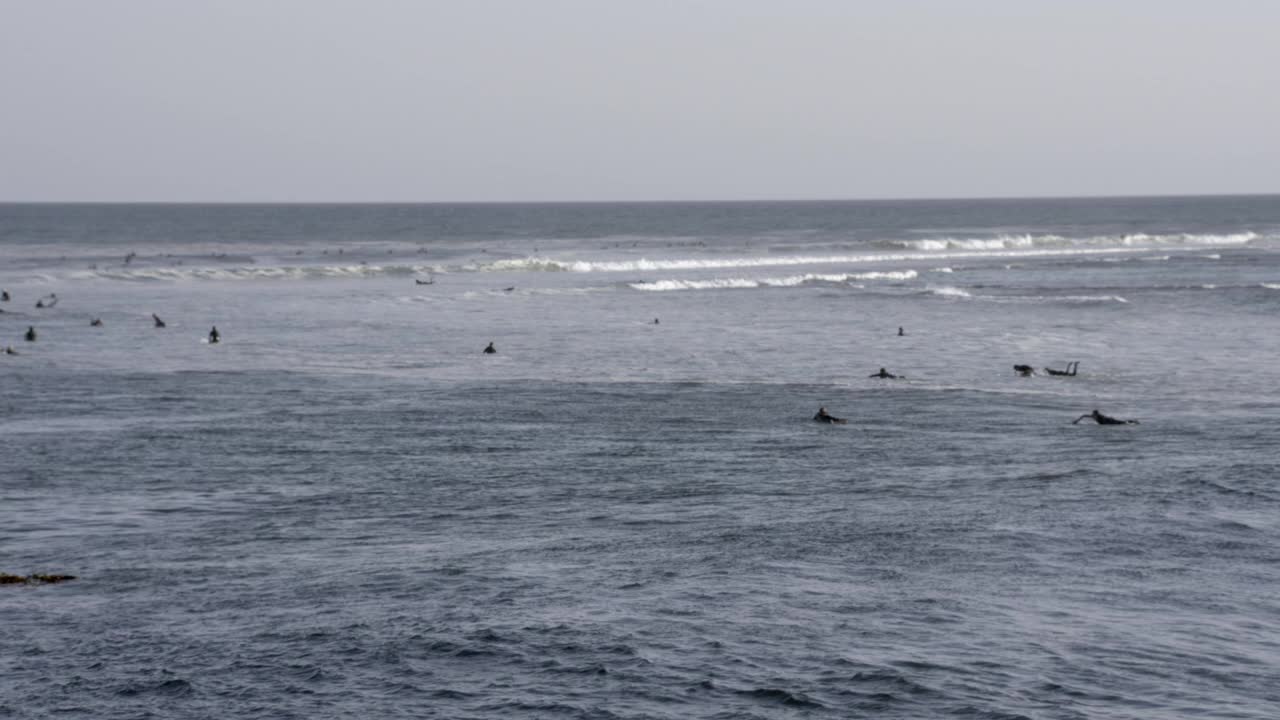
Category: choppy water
[344,509]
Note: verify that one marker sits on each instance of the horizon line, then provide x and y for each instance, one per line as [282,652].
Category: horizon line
[742,201]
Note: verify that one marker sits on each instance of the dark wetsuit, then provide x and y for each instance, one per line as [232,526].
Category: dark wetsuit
[824,416]
[489,349]
[1104,419]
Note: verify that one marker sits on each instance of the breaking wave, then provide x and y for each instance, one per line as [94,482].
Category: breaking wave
[1023,242]
[789,281]
[948,291]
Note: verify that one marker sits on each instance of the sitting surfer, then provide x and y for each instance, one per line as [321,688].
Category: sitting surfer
[901,332]
[886,374]
[1070,371]
[490,349]
[30,335]
[159,322]
[214,335]
[96,322]
[4,296]
[1104,419]
[1024,370]
[826,417]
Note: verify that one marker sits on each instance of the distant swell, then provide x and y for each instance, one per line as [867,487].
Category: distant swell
[300,272]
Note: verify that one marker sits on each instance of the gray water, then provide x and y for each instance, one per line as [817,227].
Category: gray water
[345,509]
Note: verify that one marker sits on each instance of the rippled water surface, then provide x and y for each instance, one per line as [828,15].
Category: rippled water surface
[345,509]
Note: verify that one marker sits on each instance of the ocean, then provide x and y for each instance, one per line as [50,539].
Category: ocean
[345,508]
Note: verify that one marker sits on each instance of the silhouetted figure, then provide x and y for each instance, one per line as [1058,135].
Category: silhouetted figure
[159,322]
[655,321]
[96,322]
[40,303]
[214,335]
[423,282]
[1070,371]
[4,296]
[1024,370]
[1103,419]
[490,349]
[824,416]
[513,287]
[30,335]
[8,350]
[885,374]
[901,332]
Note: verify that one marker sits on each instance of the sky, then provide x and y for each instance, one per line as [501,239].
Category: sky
[600,100]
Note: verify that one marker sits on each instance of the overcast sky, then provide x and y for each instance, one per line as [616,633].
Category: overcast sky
[419,100]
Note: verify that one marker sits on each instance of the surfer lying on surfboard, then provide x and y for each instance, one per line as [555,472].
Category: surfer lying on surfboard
[1104,419]
[824,416]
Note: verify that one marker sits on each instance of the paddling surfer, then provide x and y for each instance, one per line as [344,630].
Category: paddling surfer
[1104,419]
[826,417]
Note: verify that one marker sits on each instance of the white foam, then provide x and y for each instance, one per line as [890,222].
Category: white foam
[787,281]
[1015,242]
[1019,247]
[949,291]
[1271,286]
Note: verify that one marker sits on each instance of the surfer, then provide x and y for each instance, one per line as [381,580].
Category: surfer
[1104,419]
[1069,372]
[420,281]
[96,322]
[1024,370]
[886,374]
[8,350]
[214,335]
[30,335]
[4,296]
[655,321]
[901,332]
[490,349]
[159,322]
[826,417]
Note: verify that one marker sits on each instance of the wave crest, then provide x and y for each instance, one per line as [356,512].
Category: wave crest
[773,282]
